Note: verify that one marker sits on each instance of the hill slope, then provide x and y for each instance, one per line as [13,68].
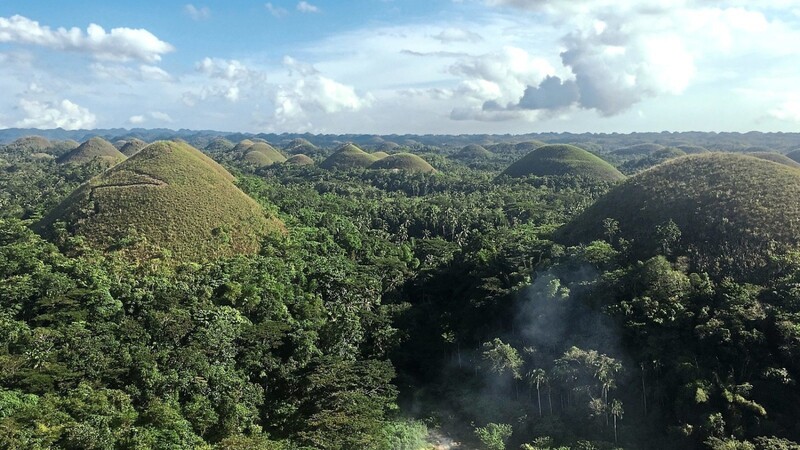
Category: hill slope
[559,160]
[262,154]
[348,156]
[732,211]
[168,196]
[131,147]
[403,161]
[300,160]
[95,148]
[777,158]
[473,151]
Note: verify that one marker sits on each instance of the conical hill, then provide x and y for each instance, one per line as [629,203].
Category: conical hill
[733,213]
[561,159]
[348,156]
[95,148]
[167,197]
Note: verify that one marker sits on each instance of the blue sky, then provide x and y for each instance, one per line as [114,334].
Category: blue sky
[402,66]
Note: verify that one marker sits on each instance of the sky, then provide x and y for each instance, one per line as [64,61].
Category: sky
[402,66]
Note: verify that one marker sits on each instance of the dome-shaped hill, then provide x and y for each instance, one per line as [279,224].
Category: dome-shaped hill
[219,145]
[262,154]
[794,155]
[168,196]
[692,149]
[473,151]
[528,146]
[387,146]
[668,153]
[95,148]
[132,146]
[379,155]
[300,160]
[558,159]
[242,146]
[638,149]
[300,145]
[348,156]
[30,144]
[405,162]
[777,158]
[732,211]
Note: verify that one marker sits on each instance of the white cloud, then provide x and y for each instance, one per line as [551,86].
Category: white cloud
[500,76]
[120,44]
[305,7]
[311,92]
[197,13]
[126,74]
[161,116]
[449,35]
[64,114]
[788,111]
[158,116]
[228,77]
[276,11]
[136,120]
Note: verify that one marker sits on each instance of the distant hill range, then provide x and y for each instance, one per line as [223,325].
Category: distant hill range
[737,142]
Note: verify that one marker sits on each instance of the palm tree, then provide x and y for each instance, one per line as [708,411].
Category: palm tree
[537,377]
[616,412]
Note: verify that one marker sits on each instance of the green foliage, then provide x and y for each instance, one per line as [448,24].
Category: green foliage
[494,435]
[776,158]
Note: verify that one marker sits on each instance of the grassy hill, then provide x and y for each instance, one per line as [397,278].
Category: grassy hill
[94,149]
[30,144]
[473,151]
[528,146]
[262,154]
[348,156]
[132,146]
[242,146]
[692,149]
[300,145]
[794,155]
[379,155]
[561,159]
[168,196]
[403,161]
[300,160]
[732,210]
[776,157]
[219,145]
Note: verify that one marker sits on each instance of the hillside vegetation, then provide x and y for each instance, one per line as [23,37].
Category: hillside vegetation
[300,160]
[473,151]
[730,211]
[556,160]
[168,196]
[132,146]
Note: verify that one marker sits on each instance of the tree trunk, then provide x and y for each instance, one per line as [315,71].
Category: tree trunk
[539,398]
[615,428]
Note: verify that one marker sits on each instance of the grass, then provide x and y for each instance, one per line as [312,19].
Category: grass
[300,145]
[379,155]
[242,146]
[474,151]
[732,210]
[794,155]
[132,147]
[404,162]
[219,145]
[94,149]
[300,160]
[348,156]
[638,149]
[561,159]
[168,196]
[777,158]
[692,149]
[262,154]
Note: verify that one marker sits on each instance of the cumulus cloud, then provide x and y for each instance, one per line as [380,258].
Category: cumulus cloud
[450,35]
[197,13]
[119,44]
[64,114]
[276,11]
[788,111]
[305,7]
[230,77]
[157,116]
[311,92]
[125,74]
